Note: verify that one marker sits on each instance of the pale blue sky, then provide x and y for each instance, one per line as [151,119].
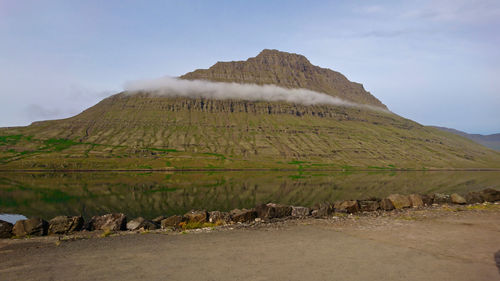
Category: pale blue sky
[436,62]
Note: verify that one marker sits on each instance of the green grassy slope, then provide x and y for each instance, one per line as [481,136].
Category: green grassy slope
[150,132]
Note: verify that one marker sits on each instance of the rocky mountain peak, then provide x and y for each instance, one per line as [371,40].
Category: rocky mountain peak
[286,70]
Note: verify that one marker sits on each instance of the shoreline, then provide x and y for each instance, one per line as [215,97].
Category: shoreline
[263,213]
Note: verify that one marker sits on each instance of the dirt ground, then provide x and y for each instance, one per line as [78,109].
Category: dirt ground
[414,245]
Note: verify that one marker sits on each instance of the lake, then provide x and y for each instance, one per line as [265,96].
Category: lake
[149,195]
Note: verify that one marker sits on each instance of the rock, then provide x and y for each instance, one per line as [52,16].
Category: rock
[196,216]
[113,222]
[171,222]
[490,195]
[272,210]
[300,212]
[243,215]
[457,199]
[399,201]
[474,197]
[141,223]
[219,217]
[65,224]
[5,229]
[158,219]
[386,204]
[427,199]
[439,198]
[369,205]
[349,206]
[322,210]
[34,226]
[416,200]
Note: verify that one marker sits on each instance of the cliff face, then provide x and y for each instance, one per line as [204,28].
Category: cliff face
[289,71]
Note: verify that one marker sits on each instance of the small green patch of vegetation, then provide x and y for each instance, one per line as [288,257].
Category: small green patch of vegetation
[483,207]
[195,225]
[11,139]
[59,144]
[296,162]
[145,167]
[106,233]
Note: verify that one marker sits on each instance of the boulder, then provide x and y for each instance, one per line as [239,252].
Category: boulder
[457,199]
[141,223]
[158,219]
[349,206]
[439,198]
[386,204]
[300,212]
[416,200]
[243,215]
[5,229]
[171,222]
[490,195]
[113,222]
[65,224]
[34,226]
[426,199]
[196,216]
[219,217]
[272,210]
[323,210]
[369,205]
[474,197]
[399,201]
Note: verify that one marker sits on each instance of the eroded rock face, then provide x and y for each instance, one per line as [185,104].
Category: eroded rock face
[271,210]
[216,216]
[323,210]
[490,195]
[5,229]
[196,216]
[386,204]
[300,212]
[474,197]
[171,222]
[349,206]
[65,224]
[427,199]
[369,205]
[33,226]
[243,215]
[112,222]
[141,223]
[416,200]
[399,201]
[439,198]
[158,219]
[457,199]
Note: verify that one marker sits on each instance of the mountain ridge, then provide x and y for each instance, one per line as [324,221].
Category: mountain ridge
[492,140]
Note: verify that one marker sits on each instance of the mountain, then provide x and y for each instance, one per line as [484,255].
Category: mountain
[144,130]
[492,141]
[289,71]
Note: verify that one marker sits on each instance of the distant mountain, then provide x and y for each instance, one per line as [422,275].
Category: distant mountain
[145,130]
[492,141]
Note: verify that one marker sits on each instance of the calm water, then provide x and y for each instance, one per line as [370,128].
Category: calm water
[152,194]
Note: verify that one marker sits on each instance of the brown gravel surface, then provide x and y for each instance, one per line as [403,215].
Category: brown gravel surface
[432,244]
